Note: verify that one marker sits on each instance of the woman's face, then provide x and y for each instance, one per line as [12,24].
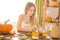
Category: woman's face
[31,11]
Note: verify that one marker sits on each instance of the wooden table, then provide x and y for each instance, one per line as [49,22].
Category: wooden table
[9,37]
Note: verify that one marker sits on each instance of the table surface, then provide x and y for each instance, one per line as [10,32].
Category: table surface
[12,37]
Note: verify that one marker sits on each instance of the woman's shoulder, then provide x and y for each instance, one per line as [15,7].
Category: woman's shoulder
[22,15]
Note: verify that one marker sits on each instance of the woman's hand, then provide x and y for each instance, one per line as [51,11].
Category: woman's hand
[40,29]
[32,29]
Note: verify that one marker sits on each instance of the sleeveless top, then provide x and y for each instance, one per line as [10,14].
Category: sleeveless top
[25,25]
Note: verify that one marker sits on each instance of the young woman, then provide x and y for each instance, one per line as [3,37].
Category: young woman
[25,21]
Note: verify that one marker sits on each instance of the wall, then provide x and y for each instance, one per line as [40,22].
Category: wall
[11,9]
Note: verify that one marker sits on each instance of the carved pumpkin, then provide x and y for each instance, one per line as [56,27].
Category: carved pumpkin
[54,3]
[48,19]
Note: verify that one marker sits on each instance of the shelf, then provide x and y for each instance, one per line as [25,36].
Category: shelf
[52,22]
[53,12]
[54,7]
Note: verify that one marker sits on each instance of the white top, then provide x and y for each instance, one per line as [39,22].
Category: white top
[25,25]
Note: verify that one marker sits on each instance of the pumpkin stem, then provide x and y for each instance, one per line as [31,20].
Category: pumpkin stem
[6,21]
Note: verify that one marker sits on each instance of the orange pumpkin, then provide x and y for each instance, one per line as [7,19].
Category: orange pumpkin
[5,28]
[48,19]
[54,3]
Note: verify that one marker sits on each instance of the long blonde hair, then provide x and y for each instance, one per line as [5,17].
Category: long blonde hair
[29,4]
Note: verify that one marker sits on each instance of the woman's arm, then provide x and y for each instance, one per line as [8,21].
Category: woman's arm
[39,28]
[19,28]
[36,21]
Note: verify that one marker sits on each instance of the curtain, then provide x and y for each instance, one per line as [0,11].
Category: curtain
[39,9]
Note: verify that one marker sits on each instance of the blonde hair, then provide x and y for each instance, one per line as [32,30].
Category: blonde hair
[29,4]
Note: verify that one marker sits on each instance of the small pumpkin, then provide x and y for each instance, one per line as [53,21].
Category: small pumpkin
[36,34]
[54,3]
[48,19]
